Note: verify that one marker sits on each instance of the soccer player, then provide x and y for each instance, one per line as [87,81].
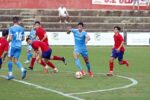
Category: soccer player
[117,51]
[29,47]
[16,36]
[42,36]
[3,46]
[43,52]
[81,38]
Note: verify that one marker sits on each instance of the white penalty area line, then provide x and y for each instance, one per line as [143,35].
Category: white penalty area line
[44,88]
[134,82]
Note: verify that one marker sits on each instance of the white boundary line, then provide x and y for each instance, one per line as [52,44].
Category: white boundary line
[134,82]
[69,95]
[44,88]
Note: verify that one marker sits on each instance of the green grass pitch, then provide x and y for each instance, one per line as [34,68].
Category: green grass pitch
[64,81]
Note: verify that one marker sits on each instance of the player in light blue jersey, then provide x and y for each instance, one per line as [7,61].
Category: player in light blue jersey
[29,47]
[81,38]
[16,36]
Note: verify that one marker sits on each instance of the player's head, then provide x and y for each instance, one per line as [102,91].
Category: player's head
[80,26]
[16,20]
[37,24]
[117,29]
[5,33]
[29,41]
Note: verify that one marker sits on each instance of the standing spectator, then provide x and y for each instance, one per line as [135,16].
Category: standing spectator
[63,14]
[147,4]
[136,2]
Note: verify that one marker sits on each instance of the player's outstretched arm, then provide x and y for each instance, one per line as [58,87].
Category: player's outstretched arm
[69,29]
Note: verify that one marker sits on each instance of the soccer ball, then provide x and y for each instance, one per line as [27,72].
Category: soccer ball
[78,75]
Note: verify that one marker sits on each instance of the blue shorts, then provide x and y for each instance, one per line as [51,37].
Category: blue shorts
[84,53]
[118,55]
[15,52]
[0,61]
[47,54]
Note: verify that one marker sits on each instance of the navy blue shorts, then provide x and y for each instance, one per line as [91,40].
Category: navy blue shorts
[118,55]
[0,61]
[47,54]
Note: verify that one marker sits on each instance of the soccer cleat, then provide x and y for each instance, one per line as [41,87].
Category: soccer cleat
[30,68]
[110,73]
[90,74]
[127,63]
[24,74]
[83,72]
[45,70]
[9,77]
[55,70]
[26,62]
[64,61]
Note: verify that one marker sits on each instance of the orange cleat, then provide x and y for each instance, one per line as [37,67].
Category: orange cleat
[91,74]
[83,72]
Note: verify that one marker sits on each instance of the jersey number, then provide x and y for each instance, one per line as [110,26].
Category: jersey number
[18,36]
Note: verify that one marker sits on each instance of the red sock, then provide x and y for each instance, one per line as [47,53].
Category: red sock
[32,62]
[50,64]
[57,58]
[111,66]
[43,63]
[122,62]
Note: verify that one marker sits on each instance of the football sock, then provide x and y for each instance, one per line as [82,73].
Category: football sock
[111,66]
[10,67]
[43,63]
[19,65]
[77,62]
[51,64]
[57,58]
[29,55]
[123,62]
[88,66]
[32,62]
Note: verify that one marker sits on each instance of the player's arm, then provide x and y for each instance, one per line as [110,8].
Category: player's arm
[87,38]
[69,29]
[121,45]
[45,36]
[39,56]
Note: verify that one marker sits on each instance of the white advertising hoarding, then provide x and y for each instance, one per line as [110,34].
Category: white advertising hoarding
[138,38]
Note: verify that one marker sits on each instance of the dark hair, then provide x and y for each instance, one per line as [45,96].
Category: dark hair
[15,19]
[28,39]
[81,23]
[118,28]
[37,22]
[4,32]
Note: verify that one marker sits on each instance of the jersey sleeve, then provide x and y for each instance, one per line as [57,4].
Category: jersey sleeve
[73,30]
[121,38]
[10,31]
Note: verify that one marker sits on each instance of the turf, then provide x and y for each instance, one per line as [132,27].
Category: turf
[64,80]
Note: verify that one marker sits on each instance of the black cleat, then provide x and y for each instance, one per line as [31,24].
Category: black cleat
[64,61]
[30,68]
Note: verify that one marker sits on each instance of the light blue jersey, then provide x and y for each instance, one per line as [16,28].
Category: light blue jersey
[79,38]
[17,33]
[32,34]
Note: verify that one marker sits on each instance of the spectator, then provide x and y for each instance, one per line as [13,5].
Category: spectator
[63,14]
[136,2]
[147,4]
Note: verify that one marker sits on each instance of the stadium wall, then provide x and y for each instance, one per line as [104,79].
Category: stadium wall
[70,4]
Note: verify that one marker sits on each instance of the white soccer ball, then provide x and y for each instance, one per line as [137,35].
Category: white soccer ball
[78,75]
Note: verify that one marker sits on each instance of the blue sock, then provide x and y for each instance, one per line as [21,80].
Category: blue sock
[88,66]
[19,65]
[77,62]
[10,66]
[29,56]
